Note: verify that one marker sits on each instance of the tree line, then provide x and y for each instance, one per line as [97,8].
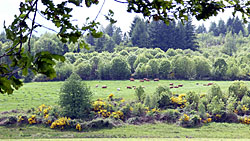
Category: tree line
[222,57]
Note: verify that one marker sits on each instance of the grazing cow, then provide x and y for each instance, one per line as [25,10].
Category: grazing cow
[128,87]
[210,84]
[104,86]
[180,85]
[171,87]
[141,80]
[176,87]
[96,86]
[132,79]
[171,84]
[147,80]
[156,79]
[118,89]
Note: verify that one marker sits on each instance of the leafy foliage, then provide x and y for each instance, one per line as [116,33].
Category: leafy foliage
[75,98]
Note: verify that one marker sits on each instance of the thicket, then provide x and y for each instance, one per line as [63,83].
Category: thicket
[224,56]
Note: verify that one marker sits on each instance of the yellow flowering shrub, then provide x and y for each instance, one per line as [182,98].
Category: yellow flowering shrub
[60,123]
[244,108]
[111,96]
[117,115]
[209,120]
[20,119]
[180,101]
[44,110]
[244,120]
[78,127]
[32,119]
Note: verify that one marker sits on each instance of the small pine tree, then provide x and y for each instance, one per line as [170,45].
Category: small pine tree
[75,98]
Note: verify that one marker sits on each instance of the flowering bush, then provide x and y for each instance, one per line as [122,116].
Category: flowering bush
[32,119]
[190,121]
[179,101]
[78,127]
[60,123]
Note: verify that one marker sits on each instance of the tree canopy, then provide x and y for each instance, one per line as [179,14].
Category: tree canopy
[21,58]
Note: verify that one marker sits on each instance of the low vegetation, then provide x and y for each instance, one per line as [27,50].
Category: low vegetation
[163,106]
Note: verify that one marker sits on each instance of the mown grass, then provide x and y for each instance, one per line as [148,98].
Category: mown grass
[160,130]
[31,95]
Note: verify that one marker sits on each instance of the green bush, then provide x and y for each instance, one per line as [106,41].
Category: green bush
[215,91]
[119,69]
[126,110]
[193,100]
[238,89]
[189,121]
[163,95]
[231,104]
[140,93]
[216,106]
[139,110]
[83,70]
[170,116]
[75,98]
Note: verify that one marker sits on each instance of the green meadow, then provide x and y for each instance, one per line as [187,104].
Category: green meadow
[34,94]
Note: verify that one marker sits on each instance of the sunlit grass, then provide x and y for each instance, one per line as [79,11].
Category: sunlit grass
[37,93]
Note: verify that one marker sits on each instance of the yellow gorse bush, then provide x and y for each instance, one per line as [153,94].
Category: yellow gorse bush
[61,123]
[117,115]
[98,105]
[185,117]
[20,119]
[209,119]
[180,100]
[32,119]
[44,110]
[111,96]
[244,108]
[245,120]
[78,127]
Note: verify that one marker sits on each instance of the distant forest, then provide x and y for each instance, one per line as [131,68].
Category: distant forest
[153,50]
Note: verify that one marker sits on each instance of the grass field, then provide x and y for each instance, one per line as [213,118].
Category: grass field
[32,95]
[160,130]
[35,94]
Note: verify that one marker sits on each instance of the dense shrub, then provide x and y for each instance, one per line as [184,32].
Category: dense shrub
[119,69]
[140,94]
[184,68]
[238,89]
[202,68]
[63,71]
[170,116]
[75,98]
[193,100]
[219,69]
[83,70]
[163,96]
[164,68]
[139,110]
